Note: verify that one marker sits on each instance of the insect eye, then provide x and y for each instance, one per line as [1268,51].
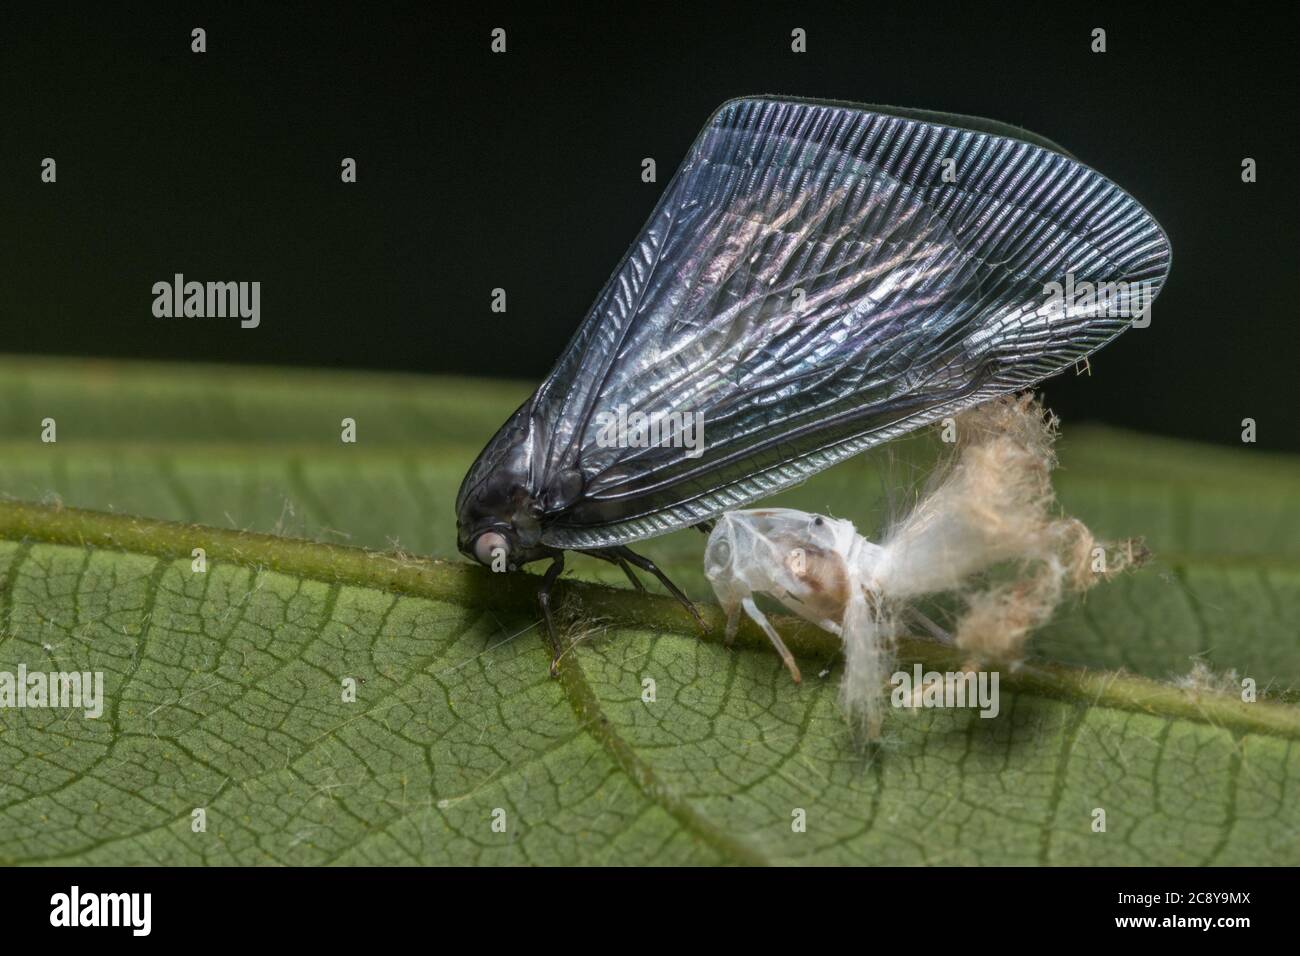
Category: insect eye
[717,557]
[488,545]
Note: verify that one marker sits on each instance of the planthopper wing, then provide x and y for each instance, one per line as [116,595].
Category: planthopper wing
[816,279]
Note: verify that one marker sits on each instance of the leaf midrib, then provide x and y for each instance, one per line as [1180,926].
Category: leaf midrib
[457,583]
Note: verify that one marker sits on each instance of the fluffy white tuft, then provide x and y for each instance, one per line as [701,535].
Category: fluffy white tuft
[988,507]
[992,504]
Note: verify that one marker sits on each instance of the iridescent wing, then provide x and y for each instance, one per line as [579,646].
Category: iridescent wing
[815,280]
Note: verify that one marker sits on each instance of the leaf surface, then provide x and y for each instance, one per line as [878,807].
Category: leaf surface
[224,688]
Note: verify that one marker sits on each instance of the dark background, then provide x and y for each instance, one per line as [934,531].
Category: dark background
[523,171]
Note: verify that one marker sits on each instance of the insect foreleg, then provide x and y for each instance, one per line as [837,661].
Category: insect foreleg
[544,601]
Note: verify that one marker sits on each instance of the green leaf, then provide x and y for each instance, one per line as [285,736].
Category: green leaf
[224,688]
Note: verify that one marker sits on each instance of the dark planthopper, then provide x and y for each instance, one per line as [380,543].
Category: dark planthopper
[816,279]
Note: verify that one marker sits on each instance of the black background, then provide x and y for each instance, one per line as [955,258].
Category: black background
[523,171]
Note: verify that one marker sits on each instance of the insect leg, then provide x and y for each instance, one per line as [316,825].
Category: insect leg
[616,559]
[733,622]
[645,564]
[544,599]
[636,582]
[705,526]
[752,610]
[938,633]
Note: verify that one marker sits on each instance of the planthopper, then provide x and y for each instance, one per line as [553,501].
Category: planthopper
[817,278]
